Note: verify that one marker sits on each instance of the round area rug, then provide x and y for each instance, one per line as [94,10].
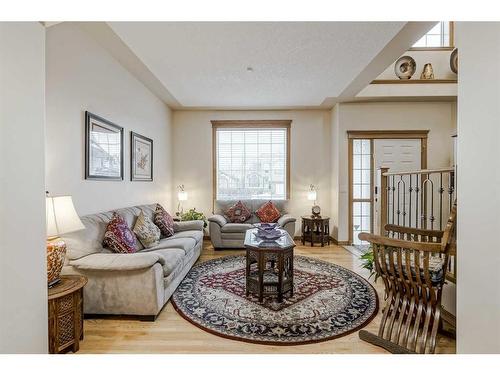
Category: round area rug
[329,301]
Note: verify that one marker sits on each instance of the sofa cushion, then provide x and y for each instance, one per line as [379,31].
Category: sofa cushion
[235,228]
[172,259]
[238,213]
[196,235]
[146,231]
[116,262]
[268,213]
[185,244]
[164,221]
[118,236]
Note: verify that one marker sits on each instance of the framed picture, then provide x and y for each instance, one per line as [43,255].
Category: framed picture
[103,149]
[141,158]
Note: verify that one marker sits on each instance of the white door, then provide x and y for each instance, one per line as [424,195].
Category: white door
[399,155]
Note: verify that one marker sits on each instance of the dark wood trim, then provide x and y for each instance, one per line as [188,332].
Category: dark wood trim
[431,49]
[387,134]
[88,117]
[132,158]
[260,124]
[251,123]
[410,81]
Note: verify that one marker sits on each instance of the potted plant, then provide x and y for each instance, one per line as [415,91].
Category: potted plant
[192,214]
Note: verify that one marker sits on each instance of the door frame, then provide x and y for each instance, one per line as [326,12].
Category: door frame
[380,134]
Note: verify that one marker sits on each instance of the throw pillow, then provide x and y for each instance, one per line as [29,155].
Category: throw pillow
[268,213]
[164,221]
[145,230]
[238,213]
[118,236]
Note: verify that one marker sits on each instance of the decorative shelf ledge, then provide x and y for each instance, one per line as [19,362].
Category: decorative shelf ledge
[411,81]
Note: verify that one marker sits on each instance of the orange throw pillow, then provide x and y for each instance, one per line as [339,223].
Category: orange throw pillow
[268,213]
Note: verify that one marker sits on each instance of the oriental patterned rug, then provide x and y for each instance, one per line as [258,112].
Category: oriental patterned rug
[329,301]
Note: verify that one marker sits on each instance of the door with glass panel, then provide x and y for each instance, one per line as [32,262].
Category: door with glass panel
[367,156]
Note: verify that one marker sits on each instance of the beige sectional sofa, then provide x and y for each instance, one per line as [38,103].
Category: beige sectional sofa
[131,284]
[226,235]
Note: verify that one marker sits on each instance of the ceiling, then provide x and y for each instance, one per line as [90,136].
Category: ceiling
[204,64]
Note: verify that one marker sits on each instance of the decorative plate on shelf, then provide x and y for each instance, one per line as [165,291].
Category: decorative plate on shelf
[405,67]
[454,61]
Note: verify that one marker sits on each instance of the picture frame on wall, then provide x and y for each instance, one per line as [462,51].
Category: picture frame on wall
[141,158]
[103,149]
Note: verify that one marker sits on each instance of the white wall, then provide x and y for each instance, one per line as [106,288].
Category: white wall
[23,278]
[310,155]
[478,292]
[437,117]
[82,76]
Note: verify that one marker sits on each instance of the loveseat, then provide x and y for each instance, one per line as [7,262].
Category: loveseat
[226,235]
[139,283]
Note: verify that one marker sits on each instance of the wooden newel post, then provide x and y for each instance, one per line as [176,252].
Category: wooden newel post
[383,199]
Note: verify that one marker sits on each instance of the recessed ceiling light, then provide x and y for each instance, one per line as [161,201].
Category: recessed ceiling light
[249,69]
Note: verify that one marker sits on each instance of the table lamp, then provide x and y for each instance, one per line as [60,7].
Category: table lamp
[311,196]
[61,218]
[182,196]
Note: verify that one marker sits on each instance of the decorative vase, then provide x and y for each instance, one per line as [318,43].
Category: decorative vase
[405,67]
[56,250]
[427,72]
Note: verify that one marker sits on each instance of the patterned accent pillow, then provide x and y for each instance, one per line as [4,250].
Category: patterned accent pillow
[164,221]
[268,213]
[118,236]
[146,231]
[238,213]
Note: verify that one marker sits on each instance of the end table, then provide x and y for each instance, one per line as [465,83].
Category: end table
[315,229]
[66,314]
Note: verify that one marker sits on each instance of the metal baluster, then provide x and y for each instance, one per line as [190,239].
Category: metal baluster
[393,189]
[441,190]
[401,210]
[409,203]
[451,188]
[399,199]
[425,184]
[417,190]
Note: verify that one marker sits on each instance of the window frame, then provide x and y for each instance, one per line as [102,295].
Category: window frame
[451,47]
[249,124]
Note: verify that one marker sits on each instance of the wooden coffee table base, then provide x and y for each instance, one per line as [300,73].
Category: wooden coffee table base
[269,273]
[269,266]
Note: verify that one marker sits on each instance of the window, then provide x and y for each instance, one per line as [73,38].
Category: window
[251,159]
[440,36]
[361,188]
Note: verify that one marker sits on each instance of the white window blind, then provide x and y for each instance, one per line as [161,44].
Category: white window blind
[251,163]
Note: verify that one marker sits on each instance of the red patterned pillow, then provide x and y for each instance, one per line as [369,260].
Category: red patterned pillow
[118,236]
[164,221]
[268,213]
[238,213]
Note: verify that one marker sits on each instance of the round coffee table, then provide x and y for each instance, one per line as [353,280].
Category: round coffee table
[269,266]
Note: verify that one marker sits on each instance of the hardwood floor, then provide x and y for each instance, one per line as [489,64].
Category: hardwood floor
[170,333]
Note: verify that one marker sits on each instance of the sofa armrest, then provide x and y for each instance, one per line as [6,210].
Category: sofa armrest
[181,226]
[285,219]
[117,262]
[219,219]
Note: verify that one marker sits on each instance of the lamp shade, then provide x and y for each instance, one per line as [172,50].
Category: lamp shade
[311,195]
[61,216]
[182,195]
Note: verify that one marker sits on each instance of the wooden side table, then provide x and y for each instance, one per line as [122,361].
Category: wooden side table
[66,314]
[316,229]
